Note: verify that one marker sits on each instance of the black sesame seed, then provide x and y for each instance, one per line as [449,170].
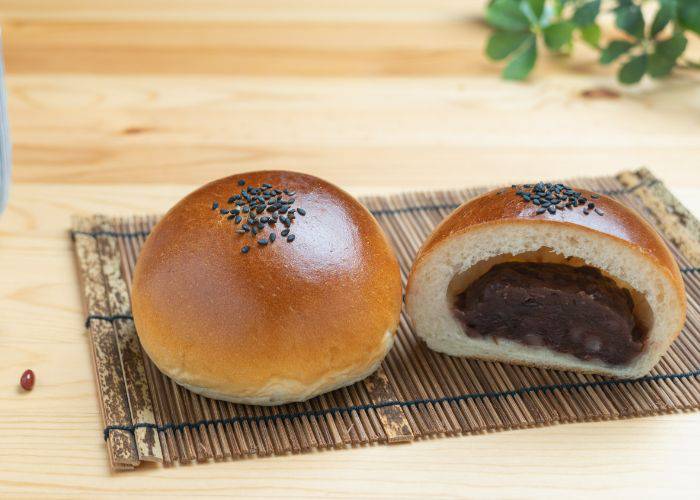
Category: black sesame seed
[536,201]
[272,237]
[254,230]
[267,186]
[264,219]
[284,232]
[240,231]
[595,196]
[223,211]
[245,227]
[215,205]
[261,225]
[585,211]
[245,249]
[541,210]
[241,183]
[230,217]
[262,241]
[598,211]
[591,205]
[290,238]
[551,209]
[245,210]
[301,211]
[238,219]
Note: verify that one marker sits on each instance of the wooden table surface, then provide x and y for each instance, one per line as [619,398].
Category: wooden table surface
[123,107]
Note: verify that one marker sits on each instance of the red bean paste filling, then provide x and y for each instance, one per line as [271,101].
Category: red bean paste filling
[573,310]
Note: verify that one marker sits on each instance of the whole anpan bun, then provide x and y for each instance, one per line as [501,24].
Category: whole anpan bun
[263,319]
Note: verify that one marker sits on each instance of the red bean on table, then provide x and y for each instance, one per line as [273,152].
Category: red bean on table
[27,380]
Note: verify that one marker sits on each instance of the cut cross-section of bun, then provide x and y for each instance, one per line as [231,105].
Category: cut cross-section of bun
[550,276]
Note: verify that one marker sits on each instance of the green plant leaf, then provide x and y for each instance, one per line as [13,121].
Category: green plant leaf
[689,14]
[503,43]
[666,52]
[591,35]
[524,60]
[558,35]
[659,66]
[673,47]
[633,70]
[533,9]
[630,20]
[614,50]
[586,13]
[663,16]
[506,15]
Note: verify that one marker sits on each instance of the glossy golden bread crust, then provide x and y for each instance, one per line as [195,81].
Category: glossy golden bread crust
[298,312]
[504,206]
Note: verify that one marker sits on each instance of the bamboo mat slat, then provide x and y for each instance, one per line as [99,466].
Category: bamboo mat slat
[415,394]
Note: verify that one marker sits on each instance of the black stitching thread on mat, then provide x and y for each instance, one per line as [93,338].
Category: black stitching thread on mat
[385,211]
[110,319]
[401,404]
[114,234]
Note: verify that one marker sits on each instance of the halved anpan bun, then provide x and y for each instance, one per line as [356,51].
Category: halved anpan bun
[500,226]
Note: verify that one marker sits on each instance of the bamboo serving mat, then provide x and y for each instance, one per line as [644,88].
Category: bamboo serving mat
[416,393]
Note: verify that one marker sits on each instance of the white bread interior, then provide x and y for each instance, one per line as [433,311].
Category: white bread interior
[463,257]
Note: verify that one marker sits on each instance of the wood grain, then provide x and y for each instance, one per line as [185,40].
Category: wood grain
[111,91]
[88,129]
[51,437]
[122,107]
